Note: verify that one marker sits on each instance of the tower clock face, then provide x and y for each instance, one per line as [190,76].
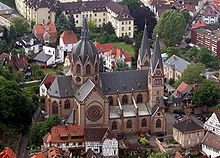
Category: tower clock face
[94,113]
[158,72]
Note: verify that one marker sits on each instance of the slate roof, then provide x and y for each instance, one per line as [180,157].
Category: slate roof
[38,115]
[71,118]
[84,90]
[145,46]
[42,57]
[211,140]
[25,40]
[123,81]
[62,87]
[69,37]
[217,113]
[174,99]
[156,58]
[177,63]
[85,49]
[36,4]
[188,126]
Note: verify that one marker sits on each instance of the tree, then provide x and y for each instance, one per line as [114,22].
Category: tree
[132,4]
[187,16]
[72,25]
[121,66]
[192,53]
[58,13]
[105,38]
[12,36]
[137,43]
[3,47]
[158,155]
[108,28]
[207,94]
[194,73]
[62,22]
[101,64]
[175,51]
[39,74]
[91,25]
[34,68]
[170,27]
[5,34]
[144,15]
[21,26]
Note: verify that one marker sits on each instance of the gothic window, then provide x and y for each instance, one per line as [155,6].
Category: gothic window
[158,123]
[96,78]
[139,98]
[129,124]
[110,99]
[96,67]
[78,79]
[67,104]
[114,125]
[157,81]
[54,107]
[78,68]
[124,99]
[88,71]
[144,123]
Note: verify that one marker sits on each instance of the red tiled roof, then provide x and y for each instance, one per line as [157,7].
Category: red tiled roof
[113,64]
[199,23]
[216,4]
[178,155]
[182,88]
[40,30]
[211,140]
[48,80]
[54,152]
[120,51]
[103,47]
[3,56]
[7,153]
[39,155]
[188,7]
[69,37]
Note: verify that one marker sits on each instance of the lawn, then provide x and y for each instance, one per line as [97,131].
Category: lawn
[128,48]
[50,71]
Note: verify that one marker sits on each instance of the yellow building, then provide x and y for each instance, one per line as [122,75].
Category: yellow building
[102,11]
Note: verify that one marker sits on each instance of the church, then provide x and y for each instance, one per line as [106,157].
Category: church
[124,101]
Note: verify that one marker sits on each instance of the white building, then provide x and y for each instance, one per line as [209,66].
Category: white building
[45,84]
[67,40]
[213,123]
[29,42]
[210,15]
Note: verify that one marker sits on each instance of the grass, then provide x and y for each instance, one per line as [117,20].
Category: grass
[50,71]
[128,48]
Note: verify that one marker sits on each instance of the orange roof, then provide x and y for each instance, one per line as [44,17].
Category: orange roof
[216,4]
[113,64]
[199,23]
[178,155]
[188,7]
[39,155]
[48,80]
[54,152]
[7,153]
[103,47]
[182,87]
[120,51]
[69,37]
[40,30]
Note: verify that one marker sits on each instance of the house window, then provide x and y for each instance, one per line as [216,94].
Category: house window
[103,14]
[129,22]
[110,99]
[43,90]
[77,21]
[114,125]
[99,20]
[122,23]
[88,71]
[78,68]
[67,104]
[139,98]
[122,28]
[144,123]
[76,16]
[129,124]
[124,99]
[56,130]
[129,28]
[158,123]
[54,107]
[95,14]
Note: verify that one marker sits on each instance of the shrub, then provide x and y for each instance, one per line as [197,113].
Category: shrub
[188,40]
[216,74]
[179,112]
[171,81]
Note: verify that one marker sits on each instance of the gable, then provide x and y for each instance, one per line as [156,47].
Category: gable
[213,120]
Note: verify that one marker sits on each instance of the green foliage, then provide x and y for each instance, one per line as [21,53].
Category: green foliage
[207,94]
[21,26]
[132,4]
[171,81]
[175,51]
[105,38]
[39,74]
[72,25]
[58,13]
[137,43]
[62,22]
[37,131]
[158,155]
[5,34]
[108,28]
[178,112]
[194,73]
[192,53]
[187,16]
[101,65]
[91,25]
[121,66]
[216,74]
[3,47]
[188,40]
[144,141]
[171,27]
[32,24]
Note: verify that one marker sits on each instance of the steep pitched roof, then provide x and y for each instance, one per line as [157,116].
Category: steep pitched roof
[7,153]
[69,37]
[145,46]
[38,115]
[210,11]
[48,80]
[71,118]
[91,154]
[199,23]
[118,52]
[103,47]
[54,152]
[217,113]
[183,88]
[42,57]
[211,140]
[39,155]
[179,155]
[3,56]
[40,30]
[25,40]
[95,133]
[156,59]
[188,126]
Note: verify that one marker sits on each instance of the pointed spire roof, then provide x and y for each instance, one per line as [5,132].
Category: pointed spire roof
[156,58]
[85,30]
[145,46]
[38,115]
[71,118]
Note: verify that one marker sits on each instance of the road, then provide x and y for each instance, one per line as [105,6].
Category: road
[22,151]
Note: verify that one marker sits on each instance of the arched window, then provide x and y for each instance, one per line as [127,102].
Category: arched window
[114,125]
[67,104]
[110,99]
[96,67]
[124,99]
[129,124]
[139,98]
[88,71]
[54,107]
[78,68]
[158,123]
[144,123]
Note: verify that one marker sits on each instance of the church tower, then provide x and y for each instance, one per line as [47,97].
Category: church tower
[85,59]
[144,54]
[156,76]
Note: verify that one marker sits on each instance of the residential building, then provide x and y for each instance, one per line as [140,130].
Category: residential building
[105,99]
[45,84]
[67,40]
[67,60]
[29,43]
[103,49]
[7,153]
[188,133]
[210,15]
[211,145]
[49,56]
[207,36]
[117,55]
[213,123]
[174,67]
[4,9]
[3,56]
[104,11]
[54,152]
[199,23]
[190,8]
[45,33]
[7,19]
